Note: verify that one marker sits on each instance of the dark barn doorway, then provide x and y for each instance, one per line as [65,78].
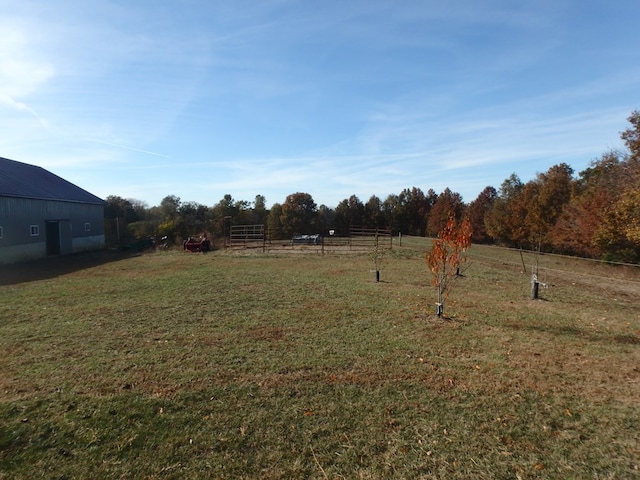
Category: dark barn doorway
[58,237]
[53,238]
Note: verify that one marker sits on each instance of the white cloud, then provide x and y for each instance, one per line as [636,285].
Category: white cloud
[22,70]
[22,73]
[334,99]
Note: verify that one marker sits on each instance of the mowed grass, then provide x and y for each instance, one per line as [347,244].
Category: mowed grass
[174,365]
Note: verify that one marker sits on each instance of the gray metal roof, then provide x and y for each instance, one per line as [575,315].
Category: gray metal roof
[19,179]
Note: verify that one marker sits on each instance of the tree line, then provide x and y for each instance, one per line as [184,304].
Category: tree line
[595,213]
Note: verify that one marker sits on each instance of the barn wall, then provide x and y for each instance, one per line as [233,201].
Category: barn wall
[24,227]
[84,244]
[22,253]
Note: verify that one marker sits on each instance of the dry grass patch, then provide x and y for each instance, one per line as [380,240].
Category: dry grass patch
[223,366]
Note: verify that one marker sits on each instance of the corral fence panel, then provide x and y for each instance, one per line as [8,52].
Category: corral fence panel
[247,236]
[371,237]
[360,239]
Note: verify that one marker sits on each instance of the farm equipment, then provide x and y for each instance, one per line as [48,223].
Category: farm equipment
[200,244]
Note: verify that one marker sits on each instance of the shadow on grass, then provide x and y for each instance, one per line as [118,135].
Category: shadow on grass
[52,267]
[580,333]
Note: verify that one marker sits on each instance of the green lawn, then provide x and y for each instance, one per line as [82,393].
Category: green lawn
[175,365]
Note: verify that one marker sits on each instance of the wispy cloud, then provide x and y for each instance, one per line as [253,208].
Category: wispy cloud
[364,97]
[21,107]
[133,149]
[22,70]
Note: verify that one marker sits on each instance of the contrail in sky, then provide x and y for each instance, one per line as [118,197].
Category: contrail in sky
[130,148]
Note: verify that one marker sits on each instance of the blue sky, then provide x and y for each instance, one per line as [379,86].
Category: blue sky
[199,99]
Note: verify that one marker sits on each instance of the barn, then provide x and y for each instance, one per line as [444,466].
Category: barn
[42,214]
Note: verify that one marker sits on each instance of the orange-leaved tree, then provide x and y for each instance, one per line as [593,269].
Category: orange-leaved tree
[447,255]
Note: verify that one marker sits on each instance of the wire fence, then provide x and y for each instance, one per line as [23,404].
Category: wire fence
[362,240]
[527,261]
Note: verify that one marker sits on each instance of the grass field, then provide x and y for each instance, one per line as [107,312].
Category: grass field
[175,365]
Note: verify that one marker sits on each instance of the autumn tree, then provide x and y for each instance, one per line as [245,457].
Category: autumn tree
[408,211]
[391,211]
[545,200]
[244,213]
[118,207]
[447,203]
[575,231]
[373,215]
[416,206]
[118,213]
[169,207]
[498,221]
[447,255]
[259,212]
[476,212]
[274,222]
[226,207]
[326,218]
[595,190]
[627,212]
[524,214]
[299,213]
[600,219]
[631,136]
[620,234]
[191,219]
[144,225]
[223,215]
[349,212]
